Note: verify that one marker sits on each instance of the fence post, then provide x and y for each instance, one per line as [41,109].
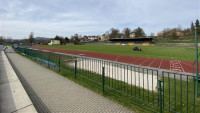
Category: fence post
[59,62]
[48,59]
[25,52]
[160,94]
[75,69]
[197,66]
[103,78]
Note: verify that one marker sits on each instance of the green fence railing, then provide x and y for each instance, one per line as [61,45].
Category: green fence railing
[145,87]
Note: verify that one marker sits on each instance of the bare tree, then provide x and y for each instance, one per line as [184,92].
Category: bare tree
[114,33]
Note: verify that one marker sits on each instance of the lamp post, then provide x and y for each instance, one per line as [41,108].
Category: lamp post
[197,67]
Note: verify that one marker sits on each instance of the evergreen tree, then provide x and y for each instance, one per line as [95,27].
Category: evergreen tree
[197,26]
[67,39]
[192,27]
[139,32]
[57,37]
[30,39]
[126,32]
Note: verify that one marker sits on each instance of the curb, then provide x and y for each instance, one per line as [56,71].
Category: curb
[13,97]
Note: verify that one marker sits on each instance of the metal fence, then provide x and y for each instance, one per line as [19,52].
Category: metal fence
[1,47]
[147,88]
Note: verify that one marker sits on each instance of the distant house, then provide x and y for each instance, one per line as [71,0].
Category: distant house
[132,35]
[92,38]
[54,42]
[104,37]
[159,33]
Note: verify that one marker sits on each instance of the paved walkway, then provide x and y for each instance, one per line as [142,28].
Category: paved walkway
[51,92]
[13,97]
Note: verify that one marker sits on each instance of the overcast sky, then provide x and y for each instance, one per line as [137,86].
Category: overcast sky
[48,18]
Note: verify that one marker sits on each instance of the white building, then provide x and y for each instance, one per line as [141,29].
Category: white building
[54,42]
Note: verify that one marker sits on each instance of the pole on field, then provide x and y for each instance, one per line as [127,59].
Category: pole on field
[197,67]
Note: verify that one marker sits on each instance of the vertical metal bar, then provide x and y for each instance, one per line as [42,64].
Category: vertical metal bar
[152,87]
[148,83]
[194,96]
[127,79]
[160,95]
[197,67]
[131,80]
[121,75]
[103,75]
[175,91]
[157,87]
[118,75]
[187,93]
[88,68]
[48,59]
[181,94]
[124,79]
[139,81]
[75,69]
[59,62]
[112,74]
[143,83]
[163,80]
[85,69]
[168,91]
[109,73]
[135,80]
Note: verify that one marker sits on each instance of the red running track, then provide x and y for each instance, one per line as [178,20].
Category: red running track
[174,65]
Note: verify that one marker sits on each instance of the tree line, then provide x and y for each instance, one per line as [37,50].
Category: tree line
[115,33]
[179,32]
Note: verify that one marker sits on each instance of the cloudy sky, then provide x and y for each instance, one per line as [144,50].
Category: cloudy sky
[48,18]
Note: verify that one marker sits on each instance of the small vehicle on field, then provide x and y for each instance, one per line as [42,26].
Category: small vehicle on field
[137,49]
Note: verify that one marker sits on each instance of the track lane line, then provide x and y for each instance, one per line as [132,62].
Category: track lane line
[152,62]
[160,63]
[144,60]
[181,66]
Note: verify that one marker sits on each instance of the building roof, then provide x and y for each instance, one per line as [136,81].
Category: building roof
[131,39]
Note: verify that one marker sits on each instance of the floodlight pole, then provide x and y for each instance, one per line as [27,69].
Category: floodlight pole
[197,67]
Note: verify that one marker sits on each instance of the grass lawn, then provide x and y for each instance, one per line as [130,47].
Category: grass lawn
[173,53]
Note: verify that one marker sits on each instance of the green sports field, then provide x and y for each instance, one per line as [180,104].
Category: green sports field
[173,53]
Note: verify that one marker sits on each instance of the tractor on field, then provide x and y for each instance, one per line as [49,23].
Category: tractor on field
[137,49]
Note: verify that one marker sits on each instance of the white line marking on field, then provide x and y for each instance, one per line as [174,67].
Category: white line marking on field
[152,62]
[181,66]
[117,58]
[176,66]
[144,61]
[160,63]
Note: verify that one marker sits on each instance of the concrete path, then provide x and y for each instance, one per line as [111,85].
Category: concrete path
[51,92]
[13,97]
